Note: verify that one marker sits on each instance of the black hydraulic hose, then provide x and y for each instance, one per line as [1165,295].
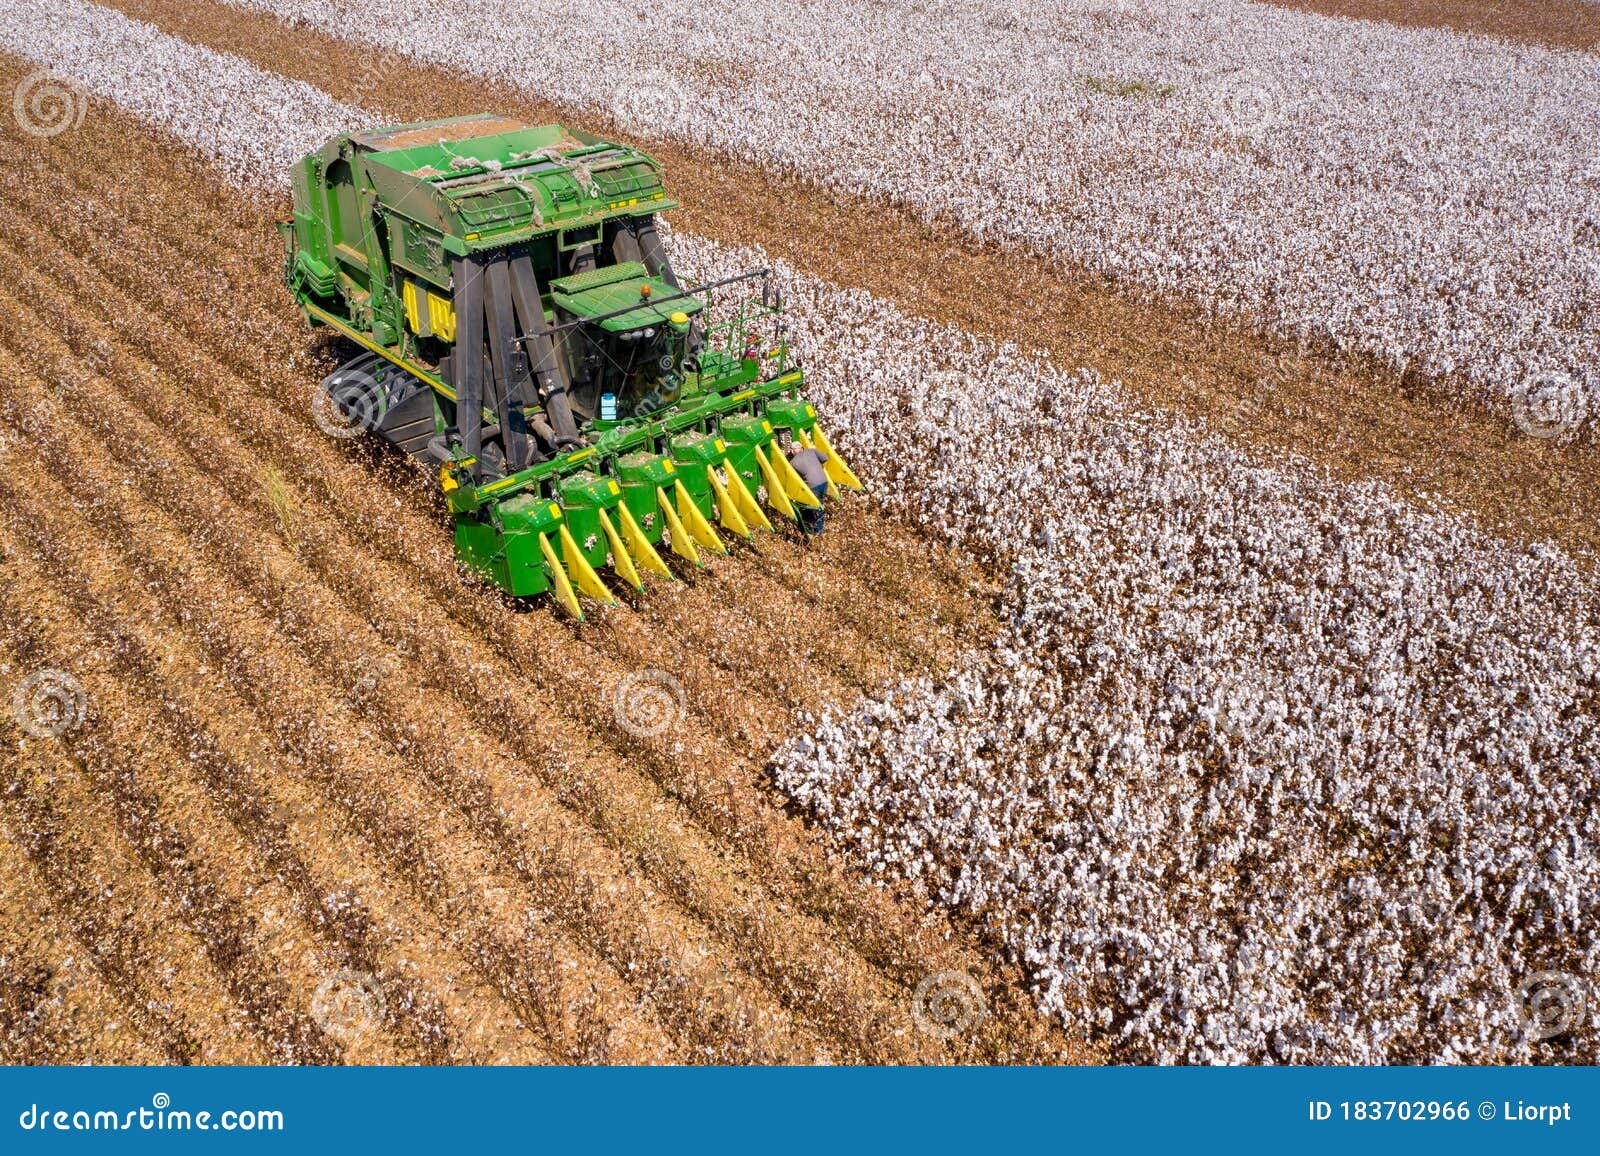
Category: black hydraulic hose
[652,250]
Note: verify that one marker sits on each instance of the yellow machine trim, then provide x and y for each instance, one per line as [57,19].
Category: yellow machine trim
[366,342]
[620,562]
[776,498]
[805,440]
[681,543]
[748,506]
[583,573]
[794,485]
[408,294]
[835,467]
[728,515]
[559,586]
[639,546]
[442,317]
[699,529]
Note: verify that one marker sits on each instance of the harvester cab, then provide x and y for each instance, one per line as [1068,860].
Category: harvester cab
[524,332]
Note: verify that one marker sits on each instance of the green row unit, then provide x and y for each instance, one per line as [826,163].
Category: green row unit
[523,329]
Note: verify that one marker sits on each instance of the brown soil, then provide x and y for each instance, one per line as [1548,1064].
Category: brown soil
[313,747]
[1553,23]
[1352,417]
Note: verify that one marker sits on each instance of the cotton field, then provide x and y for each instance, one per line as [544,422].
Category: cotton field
[1426,198]
[1097,735]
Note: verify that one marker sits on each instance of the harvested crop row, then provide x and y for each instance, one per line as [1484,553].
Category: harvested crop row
[138,343]
[1425,198]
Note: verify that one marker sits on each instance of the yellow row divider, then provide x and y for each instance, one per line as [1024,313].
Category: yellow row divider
[699,529]
[792,481]
[639,546]
[559,586]
[835,466]
[578,567]
[682,545]
[620,561]
[833,489]
[776,498]
[743,498]
[728,514]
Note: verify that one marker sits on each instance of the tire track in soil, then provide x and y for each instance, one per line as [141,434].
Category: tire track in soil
[1349,414]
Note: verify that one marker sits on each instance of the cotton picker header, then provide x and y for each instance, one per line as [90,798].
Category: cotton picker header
[523,330]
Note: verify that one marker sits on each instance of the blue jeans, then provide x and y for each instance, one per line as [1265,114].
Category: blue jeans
[811,516]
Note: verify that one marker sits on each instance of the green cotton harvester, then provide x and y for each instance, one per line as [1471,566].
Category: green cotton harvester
[523,330]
